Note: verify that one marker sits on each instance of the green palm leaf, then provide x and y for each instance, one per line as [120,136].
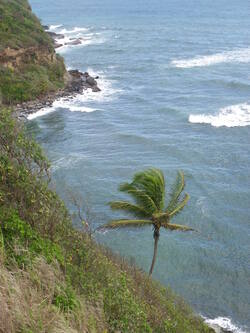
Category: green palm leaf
[130,208]
[125,223]
[140,197]
[179,207]
[152,182]
[177,189]
[171,226]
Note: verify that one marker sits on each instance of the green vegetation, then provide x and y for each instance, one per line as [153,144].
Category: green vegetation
[19,28]
[30,81]
[29,67]
[148,192]
[54,278]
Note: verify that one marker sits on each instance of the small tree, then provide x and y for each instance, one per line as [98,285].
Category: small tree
[148,192]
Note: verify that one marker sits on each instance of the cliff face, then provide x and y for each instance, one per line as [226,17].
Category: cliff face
[16,59]
[29,66]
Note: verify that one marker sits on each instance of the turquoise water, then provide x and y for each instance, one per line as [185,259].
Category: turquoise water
[175,94]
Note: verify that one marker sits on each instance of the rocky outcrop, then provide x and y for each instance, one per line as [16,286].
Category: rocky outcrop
[76,82]
[15,59]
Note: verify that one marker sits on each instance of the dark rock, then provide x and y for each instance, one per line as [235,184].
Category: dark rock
[96,89]
[75,73]
[91,81]
[45,27]
[54,35]
[74,42]
[56,45]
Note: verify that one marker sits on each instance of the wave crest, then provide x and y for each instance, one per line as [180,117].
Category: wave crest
[235,56]
[75,37]
[224,323]
[231,116]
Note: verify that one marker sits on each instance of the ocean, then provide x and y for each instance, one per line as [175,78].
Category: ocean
[175,83]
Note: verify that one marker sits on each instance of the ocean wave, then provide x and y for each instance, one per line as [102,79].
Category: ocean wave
[52,28]
[74,30]
[41,112]
[62,103]
[75,37]
[67,162]
[224,323]
[231,116]
[234,56]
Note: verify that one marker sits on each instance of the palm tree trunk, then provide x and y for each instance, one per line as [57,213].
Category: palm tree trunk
[156,238]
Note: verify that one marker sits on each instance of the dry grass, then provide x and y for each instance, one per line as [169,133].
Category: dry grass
[26,303]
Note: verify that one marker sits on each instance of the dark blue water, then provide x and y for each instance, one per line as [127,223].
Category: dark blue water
[175,95]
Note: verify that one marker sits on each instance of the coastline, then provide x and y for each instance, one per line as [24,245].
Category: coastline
[76,82]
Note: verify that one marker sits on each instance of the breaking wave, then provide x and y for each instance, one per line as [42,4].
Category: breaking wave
[235,56]
[224,323]
[75,37]
[231,116]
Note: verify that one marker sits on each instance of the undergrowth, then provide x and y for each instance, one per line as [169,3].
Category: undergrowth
[54,278]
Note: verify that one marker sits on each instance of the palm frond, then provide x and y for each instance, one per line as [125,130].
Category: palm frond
[171,226]
[177,189]
[151,182]
[179,206]
[130,208]
[123,223]
[141,198]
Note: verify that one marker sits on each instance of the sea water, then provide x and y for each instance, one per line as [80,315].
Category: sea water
[175,83]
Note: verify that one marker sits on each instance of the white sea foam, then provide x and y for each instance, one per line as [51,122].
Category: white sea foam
[74,30]
[72,105]
[67,162]
[224,323]
[234,56]
[231,116]
[54,27]
[83,35]
[41,112]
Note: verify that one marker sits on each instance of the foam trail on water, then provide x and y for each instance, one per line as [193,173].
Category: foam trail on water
[75,37]
[224,323]
[231,116]
[234,56]
[74,30]
[62,103]
[54,27]
[41,112]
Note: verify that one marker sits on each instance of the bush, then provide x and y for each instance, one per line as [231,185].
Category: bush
[22,244]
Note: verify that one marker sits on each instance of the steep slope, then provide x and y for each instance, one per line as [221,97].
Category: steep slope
[54,278]
[29,66]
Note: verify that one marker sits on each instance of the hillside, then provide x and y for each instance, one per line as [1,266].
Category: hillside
[29,66]
[54,278]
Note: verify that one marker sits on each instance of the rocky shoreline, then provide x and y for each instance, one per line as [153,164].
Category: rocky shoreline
[76,83]
[58,38]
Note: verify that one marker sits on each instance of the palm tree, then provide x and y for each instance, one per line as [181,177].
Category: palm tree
[148,192]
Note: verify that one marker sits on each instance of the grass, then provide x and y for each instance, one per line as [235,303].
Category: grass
[54,278]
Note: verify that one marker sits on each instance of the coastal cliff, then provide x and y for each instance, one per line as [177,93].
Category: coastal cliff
[29,66]
[54,278]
